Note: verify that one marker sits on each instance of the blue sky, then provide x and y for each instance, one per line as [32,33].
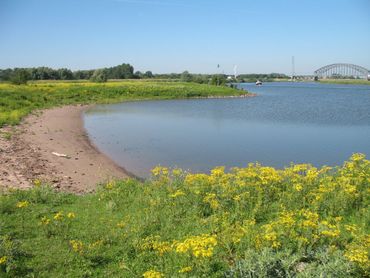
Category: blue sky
[178,35]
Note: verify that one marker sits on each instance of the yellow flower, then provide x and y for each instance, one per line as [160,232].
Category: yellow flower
[176,172]
[185,269]
[121,224]
[110,185]
[71,215]
[96,243]
[287,218]
[236,198]
[154,243]
[199,246]
[298,187]
[218,171]
[331,233]
[358,255]
[77,246]
[177,194]
[211,199]
[22,204]
[58,216]
[357,157]
[3,260]
[157,171]
[37,183]
[45,221]
[152,274]
[350,228]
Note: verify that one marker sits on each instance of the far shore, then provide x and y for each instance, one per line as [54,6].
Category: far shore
[52,146]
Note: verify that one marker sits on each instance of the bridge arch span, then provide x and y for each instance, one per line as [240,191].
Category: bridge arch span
[341,70]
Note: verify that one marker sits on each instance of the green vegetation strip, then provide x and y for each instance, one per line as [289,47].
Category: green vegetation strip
[346,81]
[249,222]
[16,101]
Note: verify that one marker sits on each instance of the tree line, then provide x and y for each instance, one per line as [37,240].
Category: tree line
[123,71]
[22,75]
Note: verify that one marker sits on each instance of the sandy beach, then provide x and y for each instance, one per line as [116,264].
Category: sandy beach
[34,149]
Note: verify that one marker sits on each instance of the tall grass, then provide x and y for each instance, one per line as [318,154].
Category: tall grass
[248,222]
[18,101]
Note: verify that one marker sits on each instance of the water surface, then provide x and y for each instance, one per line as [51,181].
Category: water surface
[322,124]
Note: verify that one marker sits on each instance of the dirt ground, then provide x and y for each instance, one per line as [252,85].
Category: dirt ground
[26,153]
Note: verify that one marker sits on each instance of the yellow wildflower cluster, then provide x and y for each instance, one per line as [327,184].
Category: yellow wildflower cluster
[199,246]
[95,244]
[77,246]
[269,236]
[45,221]
[230,211]
[211,199]
[177,172]
[154,243]
[329,230]
[58,217]
[161,175]
[160,171]
[22,204]
[193,180]
[185,269]
[3,260]
[358,255]
[110,185]
[152,274]
[178,193]
[37,183]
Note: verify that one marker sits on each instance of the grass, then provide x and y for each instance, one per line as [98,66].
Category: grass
[16,101]
[346,81]
[6,135]
[249,222]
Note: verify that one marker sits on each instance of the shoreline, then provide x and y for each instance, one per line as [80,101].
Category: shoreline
[53,146]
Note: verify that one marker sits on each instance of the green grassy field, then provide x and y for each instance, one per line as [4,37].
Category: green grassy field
[346,81]
[250,222]
[16,101]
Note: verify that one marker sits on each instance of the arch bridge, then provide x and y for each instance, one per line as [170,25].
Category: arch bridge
[342,70]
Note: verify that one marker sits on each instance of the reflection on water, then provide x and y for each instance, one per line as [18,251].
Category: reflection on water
[286,122]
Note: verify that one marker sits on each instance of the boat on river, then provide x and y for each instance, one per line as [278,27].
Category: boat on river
[258,83]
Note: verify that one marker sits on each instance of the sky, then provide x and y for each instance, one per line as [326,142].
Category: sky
[176,35]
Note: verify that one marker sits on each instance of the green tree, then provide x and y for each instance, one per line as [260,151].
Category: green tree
[186,76]
[65,74]
[148,74]
[218,79]
[20,76]
[99,75]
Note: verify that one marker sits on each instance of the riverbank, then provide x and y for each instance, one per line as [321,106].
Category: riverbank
[52,146]
[345,81]
[17,101]
[27,147]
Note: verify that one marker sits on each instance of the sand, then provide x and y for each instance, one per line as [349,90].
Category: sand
[28,154]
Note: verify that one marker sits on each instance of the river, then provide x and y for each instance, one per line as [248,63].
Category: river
[321,124]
